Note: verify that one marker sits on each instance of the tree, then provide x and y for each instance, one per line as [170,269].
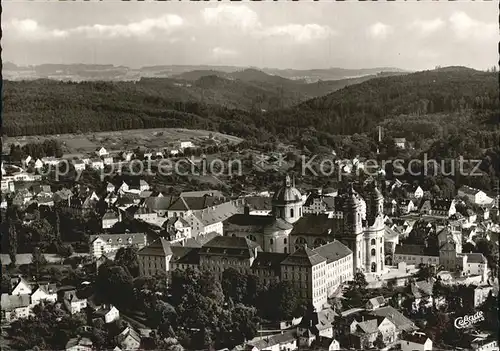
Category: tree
[425,272]
[65,250]
[355,291]
[12,243]
[38,259]
[234,285]
[114,284]
[127,257]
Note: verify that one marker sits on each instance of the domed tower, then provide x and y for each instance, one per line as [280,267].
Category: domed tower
[352,234]
[374,231]
[287,202]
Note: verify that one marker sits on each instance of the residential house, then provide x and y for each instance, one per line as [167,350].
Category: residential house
[478,295]
[438,207]
[474,195]
[96,163]
[129,339]
[38,164]
[201,193]
[400,143]
[127,156]
[79,165]
[15,306]
[416,341]
[72,302]
[421,292]
[79,344]
[482,343]
[110,218]
[19,286]
[108,313]
[143,214]
[326,344]
[473,264]
[107,160]
[375,303]
[287,340]
[186,144]
[101,152]
[176,229]
[110,243]
[401,323]
[364,333]
[44,292]
[405,206]
[26,161]
[319,204]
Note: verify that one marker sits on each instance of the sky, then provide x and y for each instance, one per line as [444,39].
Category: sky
[300,35]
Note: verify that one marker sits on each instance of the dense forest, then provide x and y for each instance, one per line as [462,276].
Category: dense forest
[423,106]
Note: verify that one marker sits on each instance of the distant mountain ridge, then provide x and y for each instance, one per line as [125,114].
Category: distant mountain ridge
[79,72]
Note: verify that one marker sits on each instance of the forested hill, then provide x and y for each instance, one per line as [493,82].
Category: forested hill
[424,100]
[417,106]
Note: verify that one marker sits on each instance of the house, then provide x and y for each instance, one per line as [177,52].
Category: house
[257,205]
[15,306]
[284,341]
[44,292]
[129,339]
[478,295]
[326,344]
[51,161]
[108,313]
[405,206]
[438,207]
[110,218]
[127,156]
[143,185]
[482,343]
[19,286]
[101,152]
[421,291]
[38,164]
[107,160]
[110,243]
[186,144]
[474,195]
[473,264]
[400,143]
[375,303]
[143,214]
[96,163]
[110,187]
[364,332]
[72,302]
[155,258]
[416,341]
[318,204]
[401,323]
[79,344]
[176,229]
[26,161]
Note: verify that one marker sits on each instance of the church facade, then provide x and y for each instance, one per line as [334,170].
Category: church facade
[359,225]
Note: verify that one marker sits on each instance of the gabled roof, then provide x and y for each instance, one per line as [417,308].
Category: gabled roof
[12,302]
[78,342]
[377,301]
[123,238]
[258,203]
[268,260]
[215,193]
[158,203]
[394,316]
[196,203]
[469,190]
[230,246]
[303,257]
[417,337]
[369,327]
[475,258]
[316,225]
[333,251]
[422,288]
[159,247]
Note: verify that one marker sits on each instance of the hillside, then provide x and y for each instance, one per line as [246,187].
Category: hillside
[423,105]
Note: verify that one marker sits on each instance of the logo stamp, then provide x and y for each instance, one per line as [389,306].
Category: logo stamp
[469,320]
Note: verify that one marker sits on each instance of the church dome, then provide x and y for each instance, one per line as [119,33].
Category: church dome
[287,193]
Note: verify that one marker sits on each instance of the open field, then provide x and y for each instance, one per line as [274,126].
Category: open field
[122,140]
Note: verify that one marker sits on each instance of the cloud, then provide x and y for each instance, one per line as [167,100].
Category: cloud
[165,23]
[426,27]
[219,52]
[379,30]
[247,20]
[30,29]
[299,32]
[233,16]
[427,54]
[466,27]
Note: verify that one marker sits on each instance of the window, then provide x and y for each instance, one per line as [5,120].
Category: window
[373,242]
[291,212]
[381,240]
[271,241]
[373,252]
[284,241]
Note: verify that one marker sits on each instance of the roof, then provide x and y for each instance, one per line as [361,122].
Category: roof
[129,332]
[316,225]
[159,247]
[268,260]
[196,203]
[369,327]
[189,255]
[475,258]
[136,238]
[333,251]
[215,193]
[377,301]
[78,342]
[230,246]
[200,240]
[324,342]
[110,215]
[158,203]
[12,302]
[270,341]
[396,317]
[259,222]
[259,203]
[417,337]
[469,190]
[287,193]
[304,257]
[422,288]
[418,250]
